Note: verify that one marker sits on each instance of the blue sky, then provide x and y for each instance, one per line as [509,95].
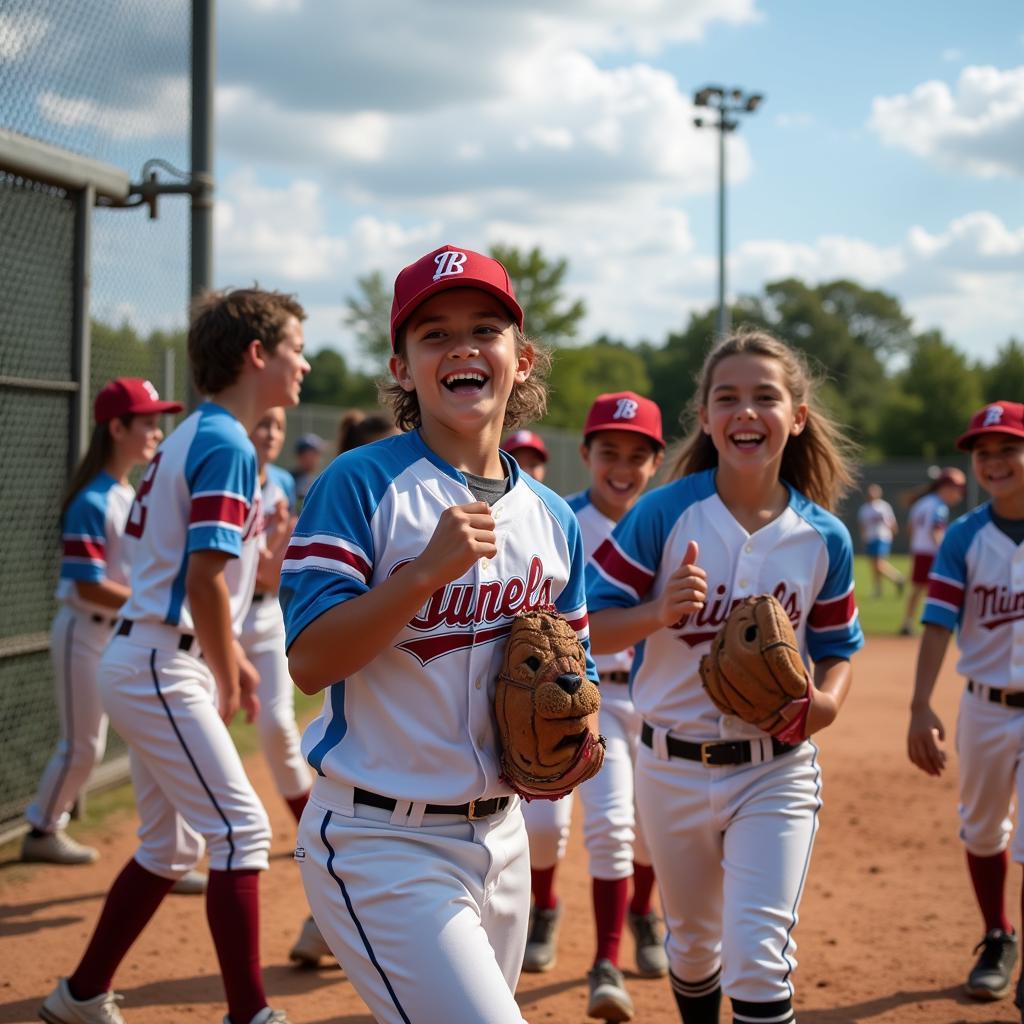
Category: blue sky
[354,137]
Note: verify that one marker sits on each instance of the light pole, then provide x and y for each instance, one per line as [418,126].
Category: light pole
[726,103]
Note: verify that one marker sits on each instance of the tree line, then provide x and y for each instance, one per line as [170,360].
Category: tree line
[900,392]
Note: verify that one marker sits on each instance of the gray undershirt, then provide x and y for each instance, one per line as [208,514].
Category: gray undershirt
[484,488]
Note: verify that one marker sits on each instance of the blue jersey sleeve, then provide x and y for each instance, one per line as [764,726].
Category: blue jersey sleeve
[285,481]
[222,481]
[947,581]
[330,557]
[84,537]
[833,625]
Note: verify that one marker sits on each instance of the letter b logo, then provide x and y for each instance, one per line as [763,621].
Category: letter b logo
[449,264]
[625,409]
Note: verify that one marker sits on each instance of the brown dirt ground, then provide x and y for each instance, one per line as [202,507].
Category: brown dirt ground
[887,924]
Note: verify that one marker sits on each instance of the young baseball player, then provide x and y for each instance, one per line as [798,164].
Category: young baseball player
[529,450]
[878,525]
[92,587]
[926,521]
[730,812]
[308,453]
[977,588]
[410,559]
[622,449]
[174,675]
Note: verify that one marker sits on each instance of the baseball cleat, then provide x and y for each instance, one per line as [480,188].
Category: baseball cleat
[651,959]
[541,940]
[609,999]
[56,848]
[309,946]
[267,1016]
[61,1007]
[990,977]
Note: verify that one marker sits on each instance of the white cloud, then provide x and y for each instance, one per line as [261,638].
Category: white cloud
[978,129]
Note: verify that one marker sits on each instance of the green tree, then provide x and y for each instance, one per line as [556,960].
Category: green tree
[578,375]
[934,397]
[331,382]
[539,283]
[368,315]
[1004,378]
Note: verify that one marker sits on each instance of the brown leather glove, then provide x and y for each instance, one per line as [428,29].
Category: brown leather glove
[541,701]
[754,668]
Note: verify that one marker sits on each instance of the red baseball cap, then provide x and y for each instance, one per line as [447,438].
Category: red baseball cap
[130,396]
[625,410]
[995,418]
[525,439]
[450,267]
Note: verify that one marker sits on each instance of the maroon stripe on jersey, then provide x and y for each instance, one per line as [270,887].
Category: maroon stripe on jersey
[834,613]
[579,623]
[943,590]
[218,508]
[85,547]
[330,551]
[619,568]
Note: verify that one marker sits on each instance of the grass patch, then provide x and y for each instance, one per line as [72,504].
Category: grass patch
[879,614]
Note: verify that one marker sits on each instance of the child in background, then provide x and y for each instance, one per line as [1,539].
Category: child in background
[94,572]
[977,589]
[622,449]
[308,451]
[529,450]
[877,523]
[356,428]
[408,564]
[729,811]
[926,521]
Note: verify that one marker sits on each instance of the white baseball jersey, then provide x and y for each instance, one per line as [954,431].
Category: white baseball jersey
[926,514]
[876,520]
[804,557]
[200,493]
[596,527]
[417,722]
[93,541]
[976,586]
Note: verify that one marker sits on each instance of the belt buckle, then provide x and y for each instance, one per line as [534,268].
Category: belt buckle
[1004,698]
[473,813]
[706,752]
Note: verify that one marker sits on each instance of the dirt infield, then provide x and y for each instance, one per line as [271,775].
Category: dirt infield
[887,924]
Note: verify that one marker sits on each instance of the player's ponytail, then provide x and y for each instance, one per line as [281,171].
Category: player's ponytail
[818,462]
[101,448]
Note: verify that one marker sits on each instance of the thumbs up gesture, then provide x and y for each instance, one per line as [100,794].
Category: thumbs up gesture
[686,590]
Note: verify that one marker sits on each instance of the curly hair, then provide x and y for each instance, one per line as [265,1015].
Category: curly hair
[527,403]
[224,323]
[818,462]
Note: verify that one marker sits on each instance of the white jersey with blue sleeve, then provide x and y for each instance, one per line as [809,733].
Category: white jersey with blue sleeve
[200,493]
[596,528]
[926,515]
[93,545]
[417,722]
[285,484]
[976,587]
[804,557]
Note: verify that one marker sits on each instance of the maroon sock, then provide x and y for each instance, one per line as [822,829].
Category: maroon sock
[542,881]
[988,875]
[643,885]
[610,898]
[297,804]
[131,902]
[233,911]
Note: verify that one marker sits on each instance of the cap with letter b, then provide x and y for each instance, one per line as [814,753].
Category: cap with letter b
[625,410]
[450,267]
[995,418]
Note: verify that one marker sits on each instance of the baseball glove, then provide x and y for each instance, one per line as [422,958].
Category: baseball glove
[754,668]
[541,701]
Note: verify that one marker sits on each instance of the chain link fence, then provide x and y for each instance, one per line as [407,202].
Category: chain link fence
[108,82]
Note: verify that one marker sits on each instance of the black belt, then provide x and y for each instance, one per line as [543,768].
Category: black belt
[102,620]
[185,640]
[260,596]
[613,677]
[1008,698]
[715,753]
[474,809]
